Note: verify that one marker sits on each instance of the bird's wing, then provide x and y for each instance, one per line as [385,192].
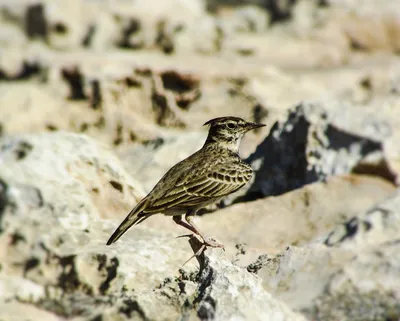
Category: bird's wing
[204,183]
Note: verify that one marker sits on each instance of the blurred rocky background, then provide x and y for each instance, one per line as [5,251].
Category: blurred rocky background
[98,98]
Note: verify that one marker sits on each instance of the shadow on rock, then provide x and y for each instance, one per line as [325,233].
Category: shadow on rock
[309,146]
[225,291]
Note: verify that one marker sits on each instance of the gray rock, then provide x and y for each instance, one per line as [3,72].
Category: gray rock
[314,142]
[378,225]
[57,189]
[270,224]
[278,9]
[246,19]
[353,275]
[71,163]
[227,292]
[148,162]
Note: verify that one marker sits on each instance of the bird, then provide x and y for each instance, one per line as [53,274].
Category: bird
[213,172]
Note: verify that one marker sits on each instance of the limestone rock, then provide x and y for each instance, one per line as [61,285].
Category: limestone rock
[298,217]
[314,142]
[55,191]
[218,296]
[70,162]
[378,225]
[356,266]
[143,76]
[150,161]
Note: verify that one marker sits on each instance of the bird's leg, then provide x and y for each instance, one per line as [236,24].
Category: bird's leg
[178,220]
[207,240]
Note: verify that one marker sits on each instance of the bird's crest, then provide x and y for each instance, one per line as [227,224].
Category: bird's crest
[219,119]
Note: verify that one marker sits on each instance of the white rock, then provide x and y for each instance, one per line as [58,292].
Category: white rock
[149,162]
[53,244]
[359,269]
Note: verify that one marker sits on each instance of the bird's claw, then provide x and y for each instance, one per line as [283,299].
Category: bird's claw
[185,235]
[208,241]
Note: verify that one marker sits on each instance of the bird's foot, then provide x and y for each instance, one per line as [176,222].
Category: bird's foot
[184,235]
[208,241]
[190,236]
[200,248]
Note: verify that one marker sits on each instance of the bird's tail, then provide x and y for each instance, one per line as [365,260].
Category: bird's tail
[134,217]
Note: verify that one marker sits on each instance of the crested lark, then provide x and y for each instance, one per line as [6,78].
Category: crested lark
[203,178]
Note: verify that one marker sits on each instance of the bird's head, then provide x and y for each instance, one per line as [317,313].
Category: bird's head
[228,131]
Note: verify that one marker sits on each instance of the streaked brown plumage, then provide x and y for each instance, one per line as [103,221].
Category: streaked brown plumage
[203,178]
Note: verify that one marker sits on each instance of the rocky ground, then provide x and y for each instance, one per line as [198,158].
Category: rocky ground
[98,99]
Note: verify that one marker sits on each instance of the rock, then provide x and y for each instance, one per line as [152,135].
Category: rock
[163,99]
[11,36]
[59,187]
[3,197]
[204,37]
[25,99]
[270,224]
[356,266]
[278,9]
[86,168]
[378,225]
[369,26]
[150,161]
[218,296]
[143,76]
[35,22]
[19,311]
[15,66]
[352,286]
[156,24]
[246,19]
[315,141]
[55,191]
[70,23]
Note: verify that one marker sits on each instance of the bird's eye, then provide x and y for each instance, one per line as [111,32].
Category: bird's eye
[231,125]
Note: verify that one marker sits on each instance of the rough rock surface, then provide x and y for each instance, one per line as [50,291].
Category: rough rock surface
[225,293]
[270,224]
[54,260]
[352,273]
[150,161]
[314,142]
[142,77]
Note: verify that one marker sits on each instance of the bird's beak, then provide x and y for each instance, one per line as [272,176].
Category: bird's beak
[251,126]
